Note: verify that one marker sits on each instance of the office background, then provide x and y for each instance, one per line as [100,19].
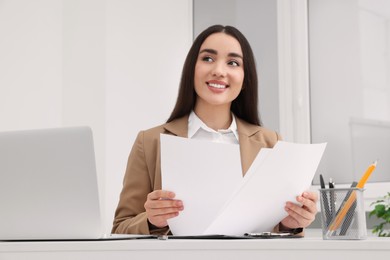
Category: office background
[115,65]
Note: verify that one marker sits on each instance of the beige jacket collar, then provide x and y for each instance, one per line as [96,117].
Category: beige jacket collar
[179,127]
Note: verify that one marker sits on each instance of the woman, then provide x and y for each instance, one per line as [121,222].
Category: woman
[217,101]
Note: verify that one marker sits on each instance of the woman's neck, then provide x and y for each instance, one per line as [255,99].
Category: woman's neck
[215,117]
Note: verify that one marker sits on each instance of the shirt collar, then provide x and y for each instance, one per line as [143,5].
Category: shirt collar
[194,123]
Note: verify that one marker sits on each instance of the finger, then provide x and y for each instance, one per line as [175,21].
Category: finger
[158,216]
[161,194]
[300,215]
[163,211]
[163,203]
[308,204]
[311,195]
[299,211]
[297,220]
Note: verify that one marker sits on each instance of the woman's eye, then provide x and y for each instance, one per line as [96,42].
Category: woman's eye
[234,63]
[207,58]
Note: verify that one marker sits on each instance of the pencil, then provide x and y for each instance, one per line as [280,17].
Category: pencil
[345,208]
[365,177]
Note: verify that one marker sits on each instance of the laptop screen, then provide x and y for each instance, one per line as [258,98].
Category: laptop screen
[48,185]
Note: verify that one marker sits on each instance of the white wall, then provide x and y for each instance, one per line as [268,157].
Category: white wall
[146,46]
[30,64]
[114,65]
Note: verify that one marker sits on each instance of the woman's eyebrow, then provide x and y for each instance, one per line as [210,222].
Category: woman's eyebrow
[212,51]
[235,55]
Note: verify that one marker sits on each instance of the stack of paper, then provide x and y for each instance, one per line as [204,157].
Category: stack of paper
[207,177]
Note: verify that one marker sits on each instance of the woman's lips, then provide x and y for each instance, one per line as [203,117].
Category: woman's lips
[217,84]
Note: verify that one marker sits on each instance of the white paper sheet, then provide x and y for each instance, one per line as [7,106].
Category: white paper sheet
[203,175]
[207,176]
[258,204]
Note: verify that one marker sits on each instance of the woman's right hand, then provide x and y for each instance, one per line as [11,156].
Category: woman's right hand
[161,206]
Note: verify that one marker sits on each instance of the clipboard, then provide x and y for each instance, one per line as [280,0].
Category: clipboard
[295,233]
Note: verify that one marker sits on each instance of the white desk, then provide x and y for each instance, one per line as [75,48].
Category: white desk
[311,247]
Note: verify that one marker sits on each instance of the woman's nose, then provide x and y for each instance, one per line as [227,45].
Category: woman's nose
[219,69]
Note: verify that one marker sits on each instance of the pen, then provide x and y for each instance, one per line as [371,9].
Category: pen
[322,183]
[343,211]
[328,217]
[332,199]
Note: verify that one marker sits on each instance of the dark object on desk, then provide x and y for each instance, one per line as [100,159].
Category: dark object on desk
[294,233]
[332,199]
[262,235]
[350,213]
[325,201]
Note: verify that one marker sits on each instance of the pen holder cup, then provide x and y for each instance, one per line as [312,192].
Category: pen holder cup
[342,214]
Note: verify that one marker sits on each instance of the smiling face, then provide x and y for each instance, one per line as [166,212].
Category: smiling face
[219,71]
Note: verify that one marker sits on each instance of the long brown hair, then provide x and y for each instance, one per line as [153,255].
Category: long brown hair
[245,105]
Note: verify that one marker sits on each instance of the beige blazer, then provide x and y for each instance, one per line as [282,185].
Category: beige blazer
[143,173]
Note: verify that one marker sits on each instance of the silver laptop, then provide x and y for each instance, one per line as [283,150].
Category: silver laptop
[48,185]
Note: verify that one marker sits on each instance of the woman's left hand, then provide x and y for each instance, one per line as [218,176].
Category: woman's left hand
[301,216]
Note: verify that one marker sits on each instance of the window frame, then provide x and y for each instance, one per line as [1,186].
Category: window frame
[294,83]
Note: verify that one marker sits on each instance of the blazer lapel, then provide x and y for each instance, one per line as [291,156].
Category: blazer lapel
[250,143]
[178,127]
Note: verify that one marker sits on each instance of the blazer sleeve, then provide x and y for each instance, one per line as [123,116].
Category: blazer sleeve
[130,216]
